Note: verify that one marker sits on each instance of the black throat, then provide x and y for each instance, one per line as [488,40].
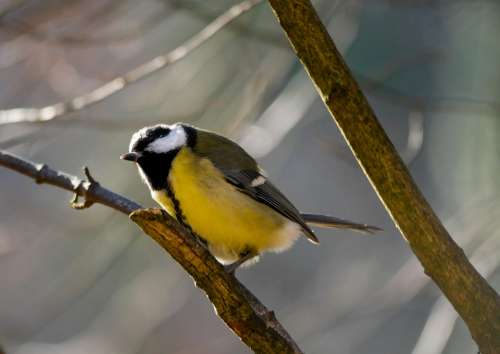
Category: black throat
[156,168]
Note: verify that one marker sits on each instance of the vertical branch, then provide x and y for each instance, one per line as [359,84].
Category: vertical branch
[443,260]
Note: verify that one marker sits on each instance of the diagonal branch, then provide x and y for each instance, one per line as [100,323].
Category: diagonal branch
[41,173]
[18,115]
[242,312]
[247,317]
[443,260]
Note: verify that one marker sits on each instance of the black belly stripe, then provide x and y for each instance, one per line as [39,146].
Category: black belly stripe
[177,207]
[181,218]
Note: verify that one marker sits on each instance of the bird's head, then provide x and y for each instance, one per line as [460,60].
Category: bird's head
[154,148]
[155,140]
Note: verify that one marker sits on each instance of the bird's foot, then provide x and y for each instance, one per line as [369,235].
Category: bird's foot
[246,256]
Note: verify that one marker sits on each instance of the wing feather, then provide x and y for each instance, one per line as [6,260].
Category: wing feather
[242,171]
[269,195]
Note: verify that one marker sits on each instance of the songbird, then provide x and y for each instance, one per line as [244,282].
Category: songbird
[213,187]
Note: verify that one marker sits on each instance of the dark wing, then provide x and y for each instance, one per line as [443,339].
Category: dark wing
[241,170]
[266,193]
[337,223]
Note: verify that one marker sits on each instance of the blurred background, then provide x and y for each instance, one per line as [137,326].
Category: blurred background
[90,282]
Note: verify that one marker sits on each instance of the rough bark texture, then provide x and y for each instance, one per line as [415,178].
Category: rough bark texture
[242,312]
[443,260]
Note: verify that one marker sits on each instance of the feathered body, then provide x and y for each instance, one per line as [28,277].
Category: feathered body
[212,186]
[229,221]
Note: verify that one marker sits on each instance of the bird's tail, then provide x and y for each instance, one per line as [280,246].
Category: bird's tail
[337,223]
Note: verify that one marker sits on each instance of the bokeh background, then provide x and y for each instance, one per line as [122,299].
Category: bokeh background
[90,282]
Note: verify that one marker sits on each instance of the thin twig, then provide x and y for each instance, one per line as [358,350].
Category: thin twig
[240,309]
[42,174]
[197,10]
[443,260]
[18,115]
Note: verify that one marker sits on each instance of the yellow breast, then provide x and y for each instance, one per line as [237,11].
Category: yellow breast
[230,221]
[161,197]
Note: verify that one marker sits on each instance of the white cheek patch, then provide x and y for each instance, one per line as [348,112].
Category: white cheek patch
[258,181]
[174,140]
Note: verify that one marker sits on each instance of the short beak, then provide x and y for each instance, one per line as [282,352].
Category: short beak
[131,156]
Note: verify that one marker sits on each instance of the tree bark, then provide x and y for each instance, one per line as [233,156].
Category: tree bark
[243,313]
[443,260]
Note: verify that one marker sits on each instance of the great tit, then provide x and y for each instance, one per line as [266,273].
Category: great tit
[218,191]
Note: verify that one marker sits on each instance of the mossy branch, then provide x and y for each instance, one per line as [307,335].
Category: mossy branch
[443,260]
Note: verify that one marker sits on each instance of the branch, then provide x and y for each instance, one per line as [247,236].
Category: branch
[90,189]
[242,311]
[443,260]
[18,115]
[442,317]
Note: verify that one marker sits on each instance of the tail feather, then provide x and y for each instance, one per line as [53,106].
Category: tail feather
[337,223]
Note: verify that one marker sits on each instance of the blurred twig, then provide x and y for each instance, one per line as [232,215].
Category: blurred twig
[17,115]
[443,260]
[12,24]
[241,310]
[249,30]
[415,139]
[20,28]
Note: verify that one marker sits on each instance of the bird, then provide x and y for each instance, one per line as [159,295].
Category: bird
[214,188]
